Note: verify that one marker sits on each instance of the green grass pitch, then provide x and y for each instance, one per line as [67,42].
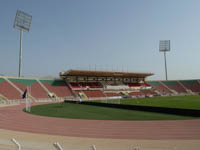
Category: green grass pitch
[79,111]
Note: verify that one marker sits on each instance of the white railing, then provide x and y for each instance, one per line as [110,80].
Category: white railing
[114,97]
[18,101]
[16,143]
[97,98]
[58,146]
[49,99]
[117,87]
[94,147]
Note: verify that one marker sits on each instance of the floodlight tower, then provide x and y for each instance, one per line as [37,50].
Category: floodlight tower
[22,22]
[164,46]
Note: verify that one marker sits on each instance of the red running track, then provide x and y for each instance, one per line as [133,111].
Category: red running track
[13,118]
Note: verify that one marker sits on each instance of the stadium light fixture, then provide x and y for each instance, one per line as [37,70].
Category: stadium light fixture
[22,22]
[164,46]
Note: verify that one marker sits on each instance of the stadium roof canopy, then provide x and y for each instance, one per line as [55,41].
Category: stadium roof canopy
[90,73]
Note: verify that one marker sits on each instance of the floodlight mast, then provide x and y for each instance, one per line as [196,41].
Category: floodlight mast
[20,54]
[22,23]
[165,65]
[165,47]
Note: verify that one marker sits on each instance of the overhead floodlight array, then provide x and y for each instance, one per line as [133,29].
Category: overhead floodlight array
[22,21]
[164,45]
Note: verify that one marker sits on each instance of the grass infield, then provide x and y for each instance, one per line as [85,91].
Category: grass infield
[186,102]
[80,111]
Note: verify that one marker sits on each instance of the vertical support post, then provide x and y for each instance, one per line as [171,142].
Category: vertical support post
[28,101]
[20,53]
[165,64]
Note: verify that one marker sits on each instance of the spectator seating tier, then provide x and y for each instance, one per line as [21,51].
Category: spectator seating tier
[34,88]
[58,87]
[134,85]
[94,93]
[112,94]
[158,86]
[174,85]
[85,85]
[136,93]
[192,85]
[75,85]
[148,92]
[8,91]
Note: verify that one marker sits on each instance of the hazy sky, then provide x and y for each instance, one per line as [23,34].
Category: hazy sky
[120,35]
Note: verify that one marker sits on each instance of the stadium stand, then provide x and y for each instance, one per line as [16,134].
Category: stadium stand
[2,98]
[75,86]
[112,94]
[192,85]
[81,94]
[124,94]
[144,84]
[136,94]
[35,89]
[58,87]
[85,85]
[134,85]
[91,84]
[116,87]
[174,85]
[157,85]
[94,93]
[8,91]
[103,83]
[94,84]
[148,92]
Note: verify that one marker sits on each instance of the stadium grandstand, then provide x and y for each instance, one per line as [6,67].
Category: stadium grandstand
[88,84]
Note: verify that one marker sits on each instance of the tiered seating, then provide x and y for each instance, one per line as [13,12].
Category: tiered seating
[136,94]
[158,86]
[75,86]
[112,94]
[145,84]
[124,94]
[148,92]
[174,85]
[81,94]
[94,93]
[8,91]
[134,85]
[117,87]
[192,85]
[34,87]
[90,85]
[58,87]
[94,85]
[85,85]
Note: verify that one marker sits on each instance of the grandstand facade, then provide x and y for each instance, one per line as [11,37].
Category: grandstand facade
[87,84]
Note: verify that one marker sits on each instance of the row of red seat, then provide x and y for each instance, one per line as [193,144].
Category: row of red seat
[167,87]
[8,91]
[80,85]
[85,85]
[62,90]
[138,85]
